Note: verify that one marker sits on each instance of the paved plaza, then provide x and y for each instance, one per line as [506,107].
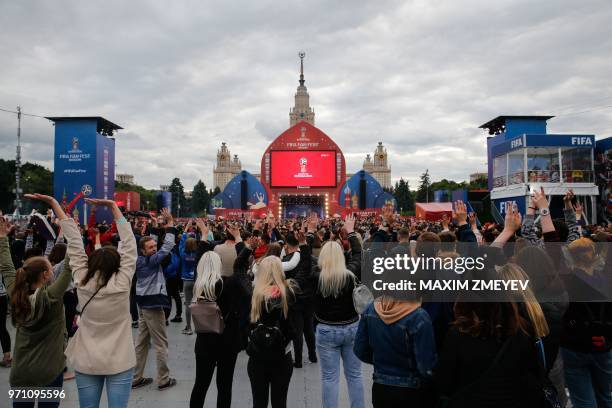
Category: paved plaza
[304,391]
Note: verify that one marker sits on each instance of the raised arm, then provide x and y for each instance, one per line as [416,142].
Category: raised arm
[511,224]
[58,287]
[548,228]
[168,239]
[127,244]
[241,264]
[354,265]
[7,269]
[570,215]
[204,245]
[464,232]
[75,249]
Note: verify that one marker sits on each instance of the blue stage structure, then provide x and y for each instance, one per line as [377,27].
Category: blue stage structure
[523,157]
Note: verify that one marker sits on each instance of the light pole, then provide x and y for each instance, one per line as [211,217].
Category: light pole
[18,190]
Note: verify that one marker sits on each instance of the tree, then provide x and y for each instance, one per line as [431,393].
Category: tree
[34,179]
[424,192]
[479,183]
[178,198]
[199,198]
[403,195]
[216,191]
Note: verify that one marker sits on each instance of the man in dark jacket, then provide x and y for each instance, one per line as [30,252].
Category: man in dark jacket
[303,311]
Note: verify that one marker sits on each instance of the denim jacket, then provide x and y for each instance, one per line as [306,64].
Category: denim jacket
[403,353]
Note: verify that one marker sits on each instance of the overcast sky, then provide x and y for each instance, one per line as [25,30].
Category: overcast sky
[420,76]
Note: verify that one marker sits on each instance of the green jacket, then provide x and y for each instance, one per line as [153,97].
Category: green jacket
[38,357]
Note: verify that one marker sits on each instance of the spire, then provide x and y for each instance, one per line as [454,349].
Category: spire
[301,111]
[302,54]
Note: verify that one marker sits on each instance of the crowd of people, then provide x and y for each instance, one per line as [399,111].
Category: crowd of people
[78,295]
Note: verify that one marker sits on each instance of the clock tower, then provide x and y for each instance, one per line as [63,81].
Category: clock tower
[226,167]
[302,110]
[378,166]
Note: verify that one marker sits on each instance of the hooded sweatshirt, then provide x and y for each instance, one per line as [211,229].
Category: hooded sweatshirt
[391,310]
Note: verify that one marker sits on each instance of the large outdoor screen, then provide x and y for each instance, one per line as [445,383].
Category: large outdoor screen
[303,168]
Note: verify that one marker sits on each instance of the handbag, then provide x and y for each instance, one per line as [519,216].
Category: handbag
[207,317]
[362,297]
[551,398]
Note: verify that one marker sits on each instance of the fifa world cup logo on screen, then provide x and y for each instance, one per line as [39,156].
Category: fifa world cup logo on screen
[303,163]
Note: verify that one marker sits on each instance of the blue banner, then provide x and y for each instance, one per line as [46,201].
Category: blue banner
[84,166]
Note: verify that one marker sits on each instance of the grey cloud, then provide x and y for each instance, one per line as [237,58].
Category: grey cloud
[419,76]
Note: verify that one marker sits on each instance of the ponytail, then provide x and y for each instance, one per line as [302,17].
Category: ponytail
[25,277]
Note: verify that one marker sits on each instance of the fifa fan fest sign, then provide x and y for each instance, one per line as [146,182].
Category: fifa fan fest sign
[84,165]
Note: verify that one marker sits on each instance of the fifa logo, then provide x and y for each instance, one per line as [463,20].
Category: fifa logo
[75,143]
[303,163]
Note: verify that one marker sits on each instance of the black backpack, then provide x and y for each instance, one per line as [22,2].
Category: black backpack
[266,342]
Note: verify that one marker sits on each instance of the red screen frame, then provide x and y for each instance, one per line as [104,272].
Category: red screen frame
[335,169]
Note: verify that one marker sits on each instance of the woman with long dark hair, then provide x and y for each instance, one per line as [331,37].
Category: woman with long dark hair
[37,311]
[489,358]
[101,350]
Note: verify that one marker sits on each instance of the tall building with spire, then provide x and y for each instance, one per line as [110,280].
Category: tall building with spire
[226,167]
[301,110]
[379,166]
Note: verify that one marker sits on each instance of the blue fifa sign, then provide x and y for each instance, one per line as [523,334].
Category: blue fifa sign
[518,201]
[84,166]
[586,141]
[547,140]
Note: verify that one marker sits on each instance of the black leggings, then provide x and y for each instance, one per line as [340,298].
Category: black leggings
[211,351]
[302,317]
[270,379]
[5,339]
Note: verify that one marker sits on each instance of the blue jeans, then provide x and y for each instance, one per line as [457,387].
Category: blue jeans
[118,388]
[333,342]
[589,378]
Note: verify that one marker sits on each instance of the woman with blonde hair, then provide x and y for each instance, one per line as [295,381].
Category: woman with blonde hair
[535,315]
[213,349]
[338,320]
[270,365]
